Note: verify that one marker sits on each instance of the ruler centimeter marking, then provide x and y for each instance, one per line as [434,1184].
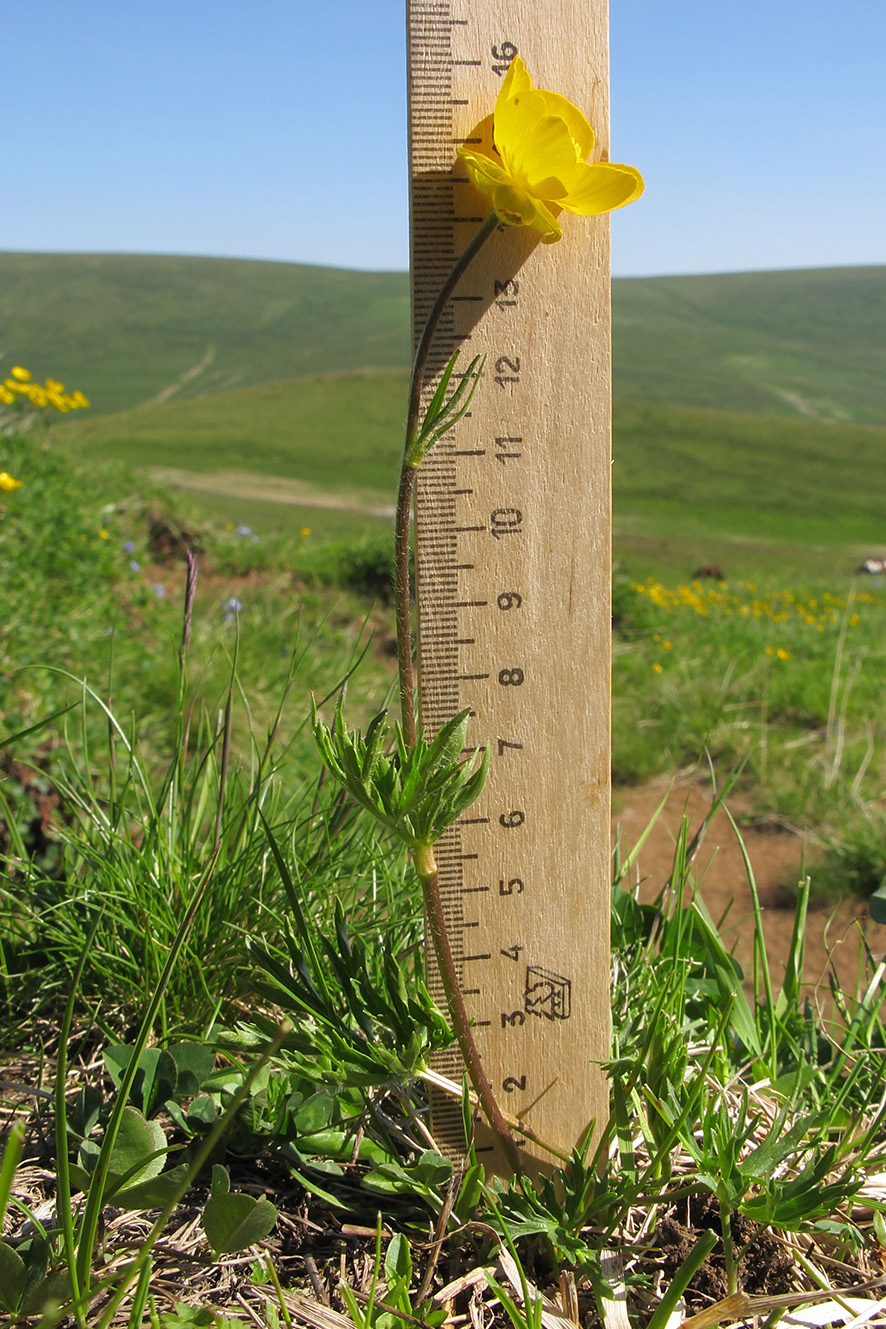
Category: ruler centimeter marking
[513,559]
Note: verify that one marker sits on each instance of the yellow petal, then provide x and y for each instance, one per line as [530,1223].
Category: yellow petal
[515,80]
[545,153]
[515,120]
[517,208]
[513,205]
[485,173]
[547,224]
[576,123]
[603,187]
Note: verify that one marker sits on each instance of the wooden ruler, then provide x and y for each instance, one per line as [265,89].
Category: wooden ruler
[513,571]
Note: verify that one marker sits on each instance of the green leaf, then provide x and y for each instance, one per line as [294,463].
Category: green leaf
[155,1193]
[193,1062]
[315,1114]
[433,1169]
[877,904]
[13,1277]
[398,1260]
[232,1222]
[55,1287]
[442,413]
[155,1080]
[202,1112]
[138,1154]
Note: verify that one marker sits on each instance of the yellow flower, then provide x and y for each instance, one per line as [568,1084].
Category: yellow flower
[305,532]
[103,534]
[21,374]
[657,668]
[783,654]
[7,483]
[535,159]
[6,396]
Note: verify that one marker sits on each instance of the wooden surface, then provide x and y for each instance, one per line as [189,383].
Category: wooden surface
[513,555]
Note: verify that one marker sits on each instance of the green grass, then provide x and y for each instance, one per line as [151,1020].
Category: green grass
[780,680]
[713,475]
[338,432]
[126,328]
[202,891]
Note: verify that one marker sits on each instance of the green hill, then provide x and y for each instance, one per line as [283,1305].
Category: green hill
[705,473]
[807,343]
[338,432]
[131,329]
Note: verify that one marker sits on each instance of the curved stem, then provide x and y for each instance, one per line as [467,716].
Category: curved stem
[423,855]
[426,868]
[407,482]
[402,606]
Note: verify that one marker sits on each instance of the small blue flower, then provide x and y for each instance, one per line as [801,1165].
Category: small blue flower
[159,590]
[134,567]
[233,605]
[244,530]
[128,546]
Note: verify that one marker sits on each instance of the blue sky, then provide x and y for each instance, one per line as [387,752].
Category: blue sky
[277,129]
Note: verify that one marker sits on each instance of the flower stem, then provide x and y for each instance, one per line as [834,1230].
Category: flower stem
[402,607]
[407,482]
[423,855]
[728,1245]
[426,867]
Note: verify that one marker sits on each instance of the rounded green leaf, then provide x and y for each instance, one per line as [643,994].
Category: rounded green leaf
[232,1221]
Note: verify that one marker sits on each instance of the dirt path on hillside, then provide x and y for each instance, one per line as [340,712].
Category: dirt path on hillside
[270,489]
[777,860]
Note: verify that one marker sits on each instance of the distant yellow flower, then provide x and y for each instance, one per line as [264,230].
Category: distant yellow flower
[305,532]
[657,668]
[783,654]
[21,374]
[7,483]
[533,160]
[103,535]
[6,396]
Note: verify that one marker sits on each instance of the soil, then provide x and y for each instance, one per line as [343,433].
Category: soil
[776,855]
[271,489]
[765,1265]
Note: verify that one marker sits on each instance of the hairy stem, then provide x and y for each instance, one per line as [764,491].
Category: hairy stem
[423,855]
[407,482]
[402,606]
[728,1246]
[426,868]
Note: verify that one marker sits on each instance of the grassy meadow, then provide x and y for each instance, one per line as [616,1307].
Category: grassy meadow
[217,1036]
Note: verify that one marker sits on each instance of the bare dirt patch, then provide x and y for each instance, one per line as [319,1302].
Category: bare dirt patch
[271,489]
[776,856]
